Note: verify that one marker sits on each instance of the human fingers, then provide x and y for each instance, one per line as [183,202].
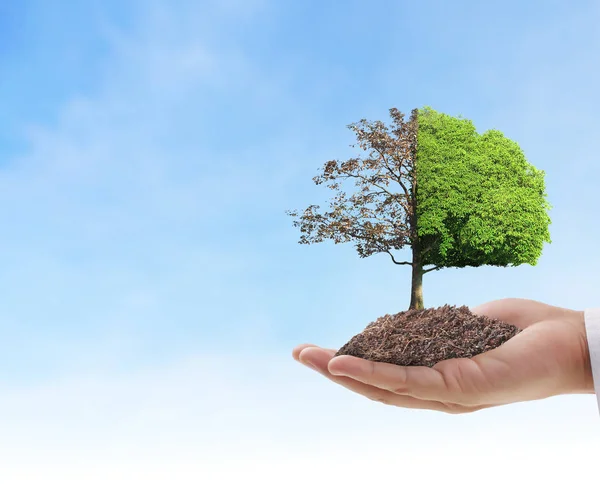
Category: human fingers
[299,348]
[416,381]
[319,359]
[520,312]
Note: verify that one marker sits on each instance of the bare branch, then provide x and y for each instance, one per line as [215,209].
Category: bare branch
[399,177]
[386,164]
[396,262]
[425,271]
[403,187]
[370,182]
[430,247]
[395,196]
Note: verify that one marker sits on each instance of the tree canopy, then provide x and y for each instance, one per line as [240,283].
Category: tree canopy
[479,202]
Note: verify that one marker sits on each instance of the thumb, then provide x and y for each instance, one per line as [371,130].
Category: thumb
[520,312]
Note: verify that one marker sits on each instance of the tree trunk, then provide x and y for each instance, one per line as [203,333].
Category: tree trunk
[416,293]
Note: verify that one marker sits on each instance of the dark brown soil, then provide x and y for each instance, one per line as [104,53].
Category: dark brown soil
[425,337]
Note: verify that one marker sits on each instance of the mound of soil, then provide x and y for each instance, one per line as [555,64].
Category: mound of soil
[425,337]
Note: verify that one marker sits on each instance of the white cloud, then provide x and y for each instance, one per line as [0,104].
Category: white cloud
[218,420]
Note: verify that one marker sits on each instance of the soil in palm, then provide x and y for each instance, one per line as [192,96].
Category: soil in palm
[426,337]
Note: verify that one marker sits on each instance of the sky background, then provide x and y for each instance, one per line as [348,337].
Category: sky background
[153,287]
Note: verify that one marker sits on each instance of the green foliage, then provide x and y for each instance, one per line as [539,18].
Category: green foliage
[479,202]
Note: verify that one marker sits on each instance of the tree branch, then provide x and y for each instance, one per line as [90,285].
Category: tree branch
[399,177]
[403,187]
[425,271]
[430,247]
[368,181]
[387,165]
[396,262]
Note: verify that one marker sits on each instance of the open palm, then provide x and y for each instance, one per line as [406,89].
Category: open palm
[549,357]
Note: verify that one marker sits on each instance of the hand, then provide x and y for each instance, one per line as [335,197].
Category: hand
[549,357]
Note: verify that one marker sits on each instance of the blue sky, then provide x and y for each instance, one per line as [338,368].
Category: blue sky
[153,287]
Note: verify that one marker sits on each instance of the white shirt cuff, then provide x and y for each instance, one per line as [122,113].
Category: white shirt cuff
[592,329]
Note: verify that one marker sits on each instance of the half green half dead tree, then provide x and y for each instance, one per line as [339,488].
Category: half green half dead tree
[433,184]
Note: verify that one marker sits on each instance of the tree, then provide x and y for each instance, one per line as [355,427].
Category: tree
[432,183]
